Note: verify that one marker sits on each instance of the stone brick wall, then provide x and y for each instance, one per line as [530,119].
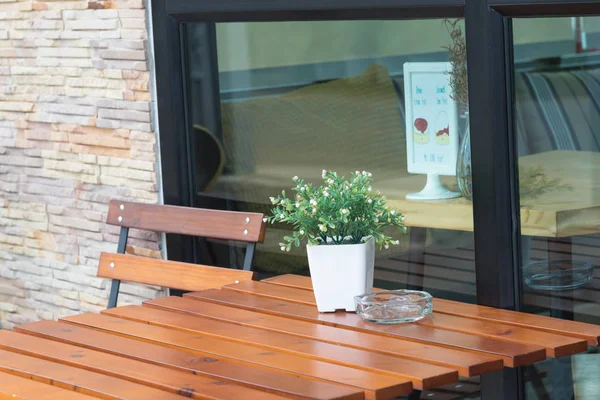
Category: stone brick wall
[75,132]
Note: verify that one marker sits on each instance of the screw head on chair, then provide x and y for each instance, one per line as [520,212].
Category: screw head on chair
[120,219]
[112,264]
[122,207]
[247,220]
[245,232]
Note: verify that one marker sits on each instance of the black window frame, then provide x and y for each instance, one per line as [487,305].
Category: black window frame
[491,97]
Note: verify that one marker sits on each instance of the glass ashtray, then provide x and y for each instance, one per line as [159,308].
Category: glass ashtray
[557,275]
[393,306]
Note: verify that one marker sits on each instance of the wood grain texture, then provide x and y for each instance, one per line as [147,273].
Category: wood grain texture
[555,214]
[513,354]
[216,224]
[178,382]
[555,345]
[295,387]
[467,364]
[14,387]
[167,273]
[291,280]
[375,386]
[589,332]
[79,380]
[422,375]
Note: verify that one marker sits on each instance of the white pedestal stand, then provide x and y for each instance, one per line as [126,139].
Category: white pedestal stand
[433,190]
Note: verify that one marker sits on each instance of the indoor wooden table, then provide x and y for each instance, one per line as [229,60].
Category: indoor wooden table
[262,340]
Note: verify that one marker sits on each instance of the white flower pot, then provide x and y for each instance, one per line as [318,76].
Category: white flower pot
[340,272]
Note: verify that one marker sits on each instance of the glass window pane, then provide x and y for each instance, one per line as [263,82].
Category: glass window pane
[295,98]
[557,118]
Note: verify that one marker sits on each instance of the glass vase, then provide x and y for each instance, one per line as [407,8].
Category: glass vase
[463,162]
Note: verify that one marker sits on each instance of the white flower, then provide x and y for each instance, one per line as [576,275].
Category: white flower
[397,242]
[313,202]
[282,202]
[403,218]
[387,246]
[273,200]
[350,185]
[364,172]
[282,248]
[302,231]
[330,181]
[347,188]
[393,212]
[297,205]
[282,216]
[303,188]
[264,220]
[324,172]
[295,178]
[314,210]
[322,228]
[369,175]
[326,194]
[344,211]
[369,201]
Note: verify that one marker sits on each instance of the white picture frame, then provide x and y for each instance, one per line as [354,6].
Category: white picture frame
[427,98]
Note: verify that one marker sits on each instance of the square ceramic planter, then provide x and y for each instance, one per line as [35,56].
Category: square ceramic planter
[340,272]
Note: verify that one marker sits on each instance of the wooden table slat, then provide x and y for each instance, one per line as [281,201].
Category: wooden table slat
[513,354]
[589,332]
[295,387]
[467,364]
[375,386]
[75,379]
[151,375]
[15,387]
[555,345]
[423,375]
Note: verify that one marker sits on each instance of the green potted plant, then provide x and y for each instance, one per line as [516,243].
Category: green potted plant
[342,220]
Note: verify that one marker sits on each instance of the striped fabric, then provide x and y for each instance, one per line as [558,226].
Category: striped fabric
[558,110]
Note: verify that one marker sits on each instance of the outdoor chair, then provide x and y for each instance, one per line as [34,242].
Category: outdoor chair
[215,224]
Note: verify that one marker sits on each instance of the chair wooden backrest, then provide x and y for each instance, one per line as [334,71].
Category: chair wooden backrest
[215,224]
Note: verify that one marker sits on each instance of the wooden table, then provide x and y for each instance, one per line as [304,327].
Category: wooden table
[266,340]
[555,214]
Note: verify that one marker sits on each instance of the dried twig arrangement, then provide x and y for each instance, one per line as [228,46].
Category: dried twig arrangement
[458,59]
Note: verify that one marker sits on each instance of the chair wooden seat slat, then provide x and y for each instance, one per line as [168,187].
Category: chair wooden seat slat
[167,273]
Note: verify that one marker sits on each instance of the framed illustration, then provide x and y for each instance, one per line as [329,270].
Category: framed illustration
[431,126]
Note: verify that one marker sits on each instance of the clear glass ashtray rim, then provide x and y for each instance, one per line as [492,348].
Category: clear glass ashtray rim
[364,308]
[582,268]
[425,297]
